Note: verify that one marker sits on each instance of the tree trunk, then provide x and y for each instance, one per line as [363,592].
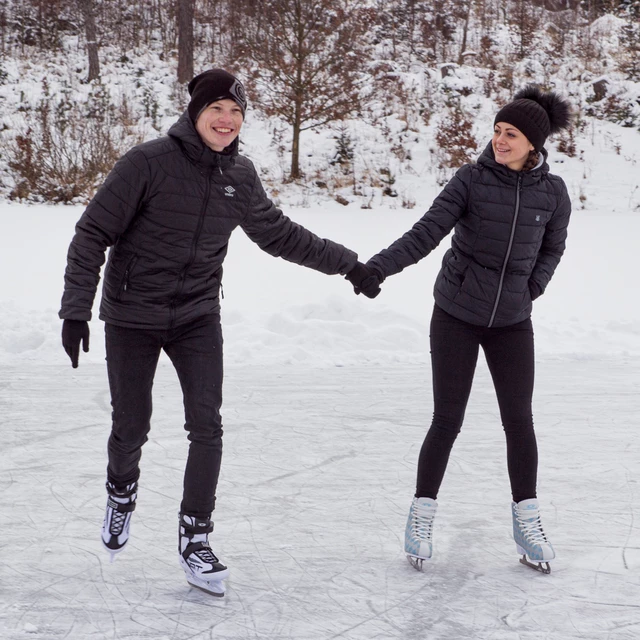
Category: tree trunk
[298,97]
[295,145]
[465,31]
[88,14]
[185,40]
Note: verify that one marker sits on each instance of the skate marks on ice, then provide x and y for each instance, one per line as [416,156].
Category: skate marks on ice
[317,480]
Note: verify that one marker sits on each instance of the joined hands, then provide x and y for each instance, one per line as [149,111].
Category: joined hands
[364,280]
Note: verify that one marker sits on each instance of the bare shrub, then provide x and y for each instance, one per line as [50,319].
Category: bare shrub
[614,107]
[67,148]
[454,137]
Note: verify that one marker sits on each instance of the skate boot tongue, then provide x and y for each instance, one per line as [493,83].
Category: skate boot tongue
[531,505]
[427,503]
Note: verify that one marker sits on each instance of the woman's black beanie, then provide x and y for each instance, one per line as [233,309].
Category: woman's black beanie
[212,85]
[536,113]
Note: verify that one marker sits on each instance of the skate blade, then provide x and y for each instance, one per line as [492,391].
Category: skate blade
[541,567]
[214,588]
[112,552]
[416,562]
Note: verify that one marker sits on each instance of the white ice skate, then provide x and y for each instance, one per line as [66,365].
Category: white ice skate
[529,536]
[117,518]
[418,534]
[201,567]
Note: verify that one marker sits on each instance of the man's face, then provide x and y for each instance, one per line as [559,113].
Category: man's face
[219,124]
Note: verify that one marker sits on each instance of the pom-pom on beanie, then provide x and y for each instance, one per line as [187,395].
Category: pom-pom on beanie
[212,85]
[536,113]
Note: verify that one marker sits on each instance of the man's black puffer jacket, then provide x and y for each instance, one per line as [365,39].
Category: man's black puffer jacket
[510,232]
[167,209]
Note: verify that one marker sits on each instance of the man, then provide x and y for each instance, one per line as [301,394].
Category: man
[167,210]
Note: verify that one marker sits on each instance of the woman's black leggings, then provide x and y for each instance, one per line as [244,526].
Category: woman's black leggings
[454,353]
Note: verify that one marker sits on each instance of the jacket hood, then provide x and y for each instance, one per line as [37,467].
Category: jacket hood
[487,159]
[184,132]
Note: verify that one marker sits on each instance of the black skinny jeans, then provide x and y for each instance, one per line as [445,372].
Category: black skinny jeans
[454,353]
[195,350]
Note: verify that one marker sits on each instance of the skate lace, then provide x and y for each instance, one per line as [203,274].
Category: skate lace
[117,522]
[422,523]
[531,528]
[206,555]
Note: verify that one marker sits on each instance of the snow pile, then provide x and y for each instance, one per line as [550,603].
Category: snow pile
[277,312]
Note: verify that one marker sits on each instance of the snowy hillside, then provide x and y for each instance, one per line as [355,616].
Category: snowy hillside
[394,154]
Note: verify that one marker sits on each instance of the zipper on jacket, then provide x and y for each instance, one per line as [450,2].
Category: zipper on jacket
[194,248]
[124,285]
[509,246]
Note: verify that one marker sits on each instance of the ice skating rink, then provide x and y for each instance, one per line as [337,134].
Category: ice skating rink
[317,478]
[327,401]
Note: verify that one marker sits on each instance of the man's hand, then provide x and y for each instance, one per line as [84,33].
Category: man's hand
[74,332]
[364,280]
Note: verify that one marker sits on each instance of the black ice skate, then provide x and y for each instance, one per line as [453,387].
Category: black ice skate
[201,567]
[117,519]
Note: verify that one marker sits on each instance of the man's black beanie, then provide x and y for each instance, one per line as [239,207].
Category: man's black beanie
[212,85]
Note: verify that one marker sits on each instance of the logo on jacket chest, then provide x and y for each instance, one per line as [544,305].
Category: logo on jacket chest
[229,191]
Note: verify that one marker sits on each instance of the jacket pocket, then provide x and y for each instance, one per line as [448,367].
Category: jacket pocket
[456,272]
[126,277]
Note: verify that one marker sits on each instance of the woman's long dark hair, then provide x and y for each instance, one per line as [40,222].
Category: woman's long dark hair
[531,161]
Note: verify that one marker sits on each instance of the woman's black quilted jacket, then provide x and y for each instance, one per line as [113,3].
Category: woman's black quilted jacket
[510,232]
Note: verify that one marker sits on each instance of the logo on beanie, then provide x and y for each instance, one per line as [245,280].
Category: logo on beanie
[237,90]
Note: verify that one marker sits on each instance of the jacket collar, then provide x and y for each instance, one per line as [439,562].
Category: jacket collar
[487,159]
[184,132]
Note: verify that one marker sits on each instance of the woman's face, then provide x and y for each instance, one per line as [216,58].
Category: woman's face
[510,146]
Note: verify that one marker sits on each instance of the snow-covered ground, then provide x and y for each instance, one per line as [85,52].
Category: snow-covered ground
[327,400]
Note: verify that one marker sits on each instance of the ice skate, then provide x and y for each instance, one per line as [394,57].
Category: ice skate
[117,518]
[529,536]
[201,567]
[418,535]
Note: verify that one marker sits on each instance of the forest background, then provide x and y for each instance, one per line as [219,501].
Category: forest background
[358,101]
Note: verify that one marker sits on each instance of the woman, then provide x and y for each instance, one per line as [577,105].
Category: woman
[510,217]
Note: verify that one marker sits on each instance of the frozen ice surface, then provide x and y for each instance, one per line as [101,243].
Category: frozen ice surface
[317,478]
[327,401]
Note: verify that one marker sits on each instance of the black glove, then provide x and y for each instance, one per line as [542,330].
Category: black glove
[364,280]
[74,331]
